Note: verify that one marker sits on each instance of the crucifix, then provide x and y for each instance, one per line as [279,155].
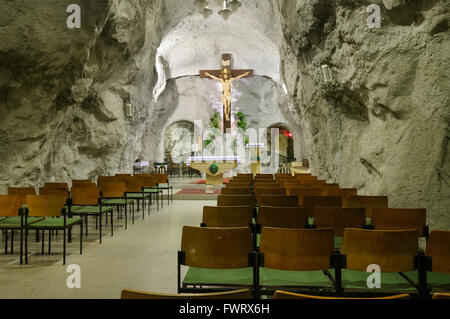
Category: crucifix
[226,76]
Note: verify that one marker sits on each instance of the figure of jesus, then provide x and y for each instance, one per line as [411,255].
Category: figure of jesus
[226,79]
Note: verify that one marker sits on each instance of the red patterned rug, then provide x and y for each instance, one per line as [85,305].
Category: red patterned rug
[195,192]
[203,181]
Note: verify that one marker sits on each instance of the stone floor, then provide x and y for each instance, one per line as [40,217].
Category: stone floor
[143,257]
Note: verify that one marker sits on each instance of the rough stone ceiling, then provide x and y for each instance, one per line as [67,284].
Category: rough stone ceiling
[192,43]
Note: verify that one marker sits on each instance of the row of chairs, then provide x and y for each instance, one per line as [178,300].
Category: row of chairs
[58,208]
[246,294]
[285,240]
[306,260]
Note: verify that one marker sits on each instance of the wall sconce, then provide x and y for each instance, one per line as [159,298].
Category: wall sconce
[326,73]
[128,109]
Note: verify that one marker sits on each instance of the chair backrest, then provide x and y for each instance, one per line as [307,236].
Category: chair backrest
[236,191]
[329,188]
[262,185]
[148,181]
[243,176]
[263,176]
[22,192]
[369,202]
[392,250]
[280,175]
[83,183]
[45,206]
[101,180]
[10,205]
[438,248]
[302,192]
[161,178]
[236,200]
[233,294]
[221,248]
[345,193]
[306,177]
[339,218]
[239,184]
[400,218]
[270,191]
[311,201]
[113,189]
[296,249]
[227,216]
[132,183]
[278,200]
[84,196]
[279,294]
[282,217]
[54,191]
[64,186]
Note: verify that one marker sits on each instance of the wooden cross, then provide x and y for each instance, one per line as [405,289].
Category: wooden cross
[226,76]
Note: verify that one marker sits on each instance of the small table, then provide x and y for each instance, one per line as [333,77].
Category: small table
[214,167]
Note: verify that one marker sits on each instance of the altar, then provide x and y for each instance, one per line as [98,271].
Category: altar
[214,167]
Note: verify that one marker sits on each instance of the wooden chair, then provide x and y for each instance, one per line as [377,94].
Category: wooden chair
[227,216]
[22,192]
[368,202]
[282,217]
[279,294]
[306,177]
[345,193]
[311,202]
[107,179]
[281,175]
[236,191]
[302,192]
[438,248]
[53,213]
[305,251]
[90,204]
[233,294]
[278,200]
[150,186]
[339,218]
[210,251]
[12,218]
[400,218]
[262,185]
[113,195]
[134,191]
[83,183]
[263,176]
[393,251]
[236,200]
[163,184]
[239,184]
[54,191]
[270,191]
[64,186]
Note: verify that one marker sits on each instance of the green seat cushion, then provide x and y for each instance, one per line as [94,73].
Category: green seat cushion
[280,278]
[136,195]
[74,208]
[390,281]
[151,190]
[55,222]
[91,210]
[311,220]
[438,281]
[14,222]
[164,185]
[368,220]
[338,241]
[116,201]
[207,276]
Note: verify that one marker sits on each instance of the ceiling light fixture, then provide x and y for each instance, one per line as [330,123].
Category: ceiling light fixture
[228,7]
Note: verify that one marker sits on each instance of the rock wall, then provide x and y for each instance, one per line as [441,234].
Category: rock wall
[382,124]
[63,91]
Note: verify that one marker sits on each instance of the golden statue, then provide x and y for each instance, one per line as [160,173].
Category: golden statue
[225,76]
[226,80]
